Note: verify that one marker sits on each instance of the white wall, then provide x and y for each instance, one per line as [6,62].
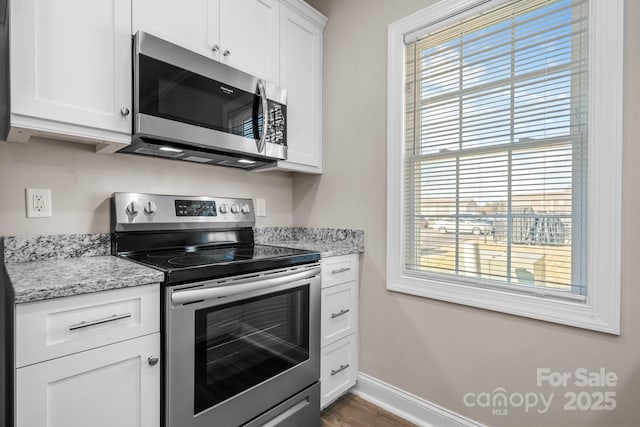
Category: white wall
[82,181]
[437,350]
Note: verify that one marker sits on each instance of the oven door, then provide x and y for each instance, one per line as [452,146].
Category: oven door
[237,347]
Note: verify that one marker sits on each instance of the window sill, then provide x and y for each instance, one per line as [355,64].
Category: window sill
[571,313]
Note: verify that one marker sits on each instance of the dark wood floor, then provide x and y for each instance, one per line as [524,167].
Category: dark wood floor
[353,411]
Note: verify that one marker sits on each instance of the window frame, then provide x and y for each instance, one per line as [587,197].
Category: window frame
[601,310]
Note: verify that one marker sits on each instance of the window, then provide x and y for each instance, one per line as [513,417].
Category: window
[495,198]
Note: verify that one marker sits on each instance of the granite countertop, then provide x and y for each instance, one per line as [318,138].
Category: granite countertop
[54,266]
[326,249]
[54,278]
[327,241]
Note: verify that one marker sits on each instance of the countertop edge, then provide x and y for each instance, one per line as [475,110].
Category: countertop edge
[32,281]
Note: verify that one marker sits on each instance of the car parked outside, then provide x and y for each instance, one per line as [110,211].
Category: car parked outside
[475,226]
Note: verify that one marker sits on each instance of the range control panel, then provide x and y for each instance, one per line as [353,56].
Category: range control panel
[196,208]
[140,211]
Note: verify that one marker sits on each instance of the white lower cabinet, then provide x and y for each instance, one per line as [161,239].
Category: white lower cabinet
[89,360]
[115,385]
[339,327]
[339,368]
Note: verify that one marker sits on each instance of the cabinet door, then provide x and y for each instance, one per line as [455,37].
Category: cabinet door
[249,36]
[193,24]
[301,75]
[71,65]
[108,386]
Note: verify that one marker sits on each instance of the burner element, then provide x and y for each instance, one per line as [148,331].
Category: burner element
[208,257]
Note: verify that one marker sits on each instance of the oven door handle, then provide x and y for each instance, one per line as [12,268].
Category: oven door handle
[193,295]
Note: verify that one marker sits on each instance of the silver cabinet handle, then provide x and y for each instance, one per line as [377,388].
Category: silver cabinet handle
[215,48]
[265,115]
[340,313]
[340,369]
[124,111]
[84,324]
[152,360]
[340,270]
[226,53]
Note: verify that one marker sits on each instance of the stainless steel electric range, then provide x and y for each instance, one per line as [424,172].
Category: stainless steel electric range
[241,321]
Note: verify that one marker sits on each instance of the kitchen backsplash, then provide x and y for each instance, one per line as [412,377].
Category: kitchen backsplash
[311,234]
[55,246]
[60,246]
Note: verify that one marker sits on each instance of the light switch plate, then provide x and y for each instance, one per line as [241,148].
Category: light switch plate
[261,207]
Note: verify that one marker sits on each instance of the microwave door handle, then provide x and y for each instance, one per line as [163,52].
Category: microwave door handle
[265,115]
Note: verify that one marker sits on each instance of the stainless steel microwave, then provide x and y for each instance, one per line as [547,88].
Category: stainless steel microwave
[193,108]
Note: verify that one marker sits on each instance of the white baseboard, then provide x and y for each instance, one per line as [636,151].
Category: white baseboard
[408,406]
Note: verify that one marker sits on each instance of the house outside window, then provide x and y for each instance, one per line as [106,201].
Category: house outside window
[497,155]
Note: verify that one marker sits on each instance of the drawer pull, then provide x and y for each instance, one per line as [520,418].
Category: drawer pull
[340,270]
[340,369]
[84,324]
[342,312]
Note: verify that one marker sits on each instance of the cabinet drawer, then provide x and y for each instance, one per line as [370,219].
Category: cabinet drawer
[339,269]
[339,311]
[338,368]
[57,327]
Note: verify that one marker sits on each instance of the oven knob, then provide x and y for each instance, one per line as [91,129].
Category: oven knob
[133,208]
[235,208]
[245,208]
[150,207]
[224,208]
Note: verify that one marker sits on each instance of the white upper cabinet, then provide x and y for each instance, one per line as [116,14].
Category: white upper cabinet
[249,36]
[191,24]
[71,74]
[301,32]
[70,70]
[241,33]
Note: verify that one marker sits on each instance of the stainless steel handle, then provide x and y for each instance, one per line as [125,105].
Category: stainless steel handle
[215,48]
[265,115]
[192,295]
[340,369]
[226,53]
[99,321]
[152,360]
[341,313]
[340,270]
[124,111]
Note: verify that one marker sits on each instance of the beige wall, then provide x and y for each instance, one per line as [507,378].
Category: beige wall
[436,350]
[82,181]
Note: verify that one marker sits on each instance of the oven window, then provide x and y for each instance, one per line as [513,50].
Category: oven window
[241,344]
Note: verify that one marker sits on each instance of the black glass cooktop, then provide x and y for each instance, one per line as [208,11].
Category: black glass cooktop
[213,262]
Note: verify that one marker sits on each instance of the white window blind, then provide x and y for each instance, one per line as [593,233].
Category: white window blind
[495,163]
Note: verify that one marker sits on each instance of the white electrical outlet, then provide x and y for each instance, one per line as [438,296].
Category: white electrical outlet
[38,203]
[261,207]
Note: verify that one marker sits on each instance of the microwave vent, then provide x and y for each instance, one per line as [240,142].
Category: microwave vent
[153,151]
[197,159]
